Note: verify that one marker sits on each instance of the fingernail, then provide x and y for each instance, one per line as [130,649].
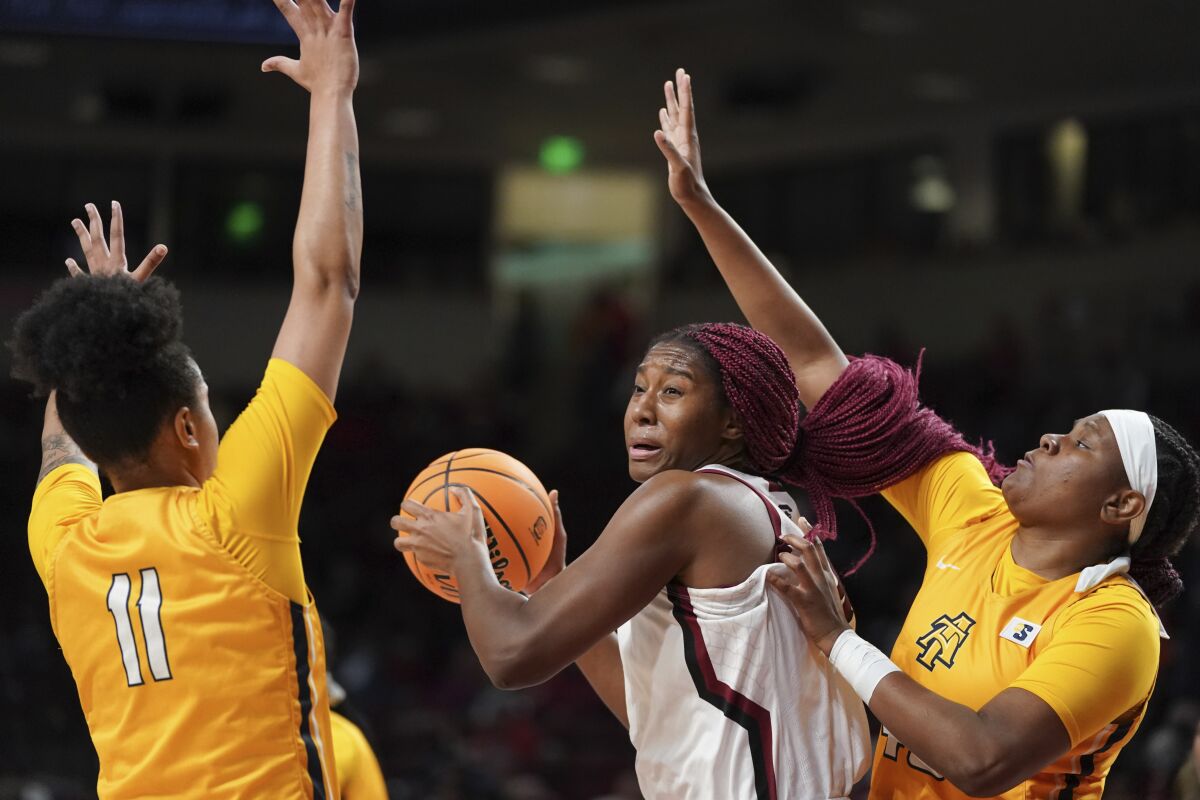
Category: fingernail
[114,203]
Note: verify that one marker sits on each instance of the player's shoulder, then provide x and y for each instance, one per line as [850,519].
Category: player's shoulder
[682,494]
[1119,604]
[679,485]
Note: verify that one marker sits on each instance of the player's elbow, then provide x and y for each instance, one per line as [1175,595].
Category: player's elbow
[328,274]
[342,282]
[981,786]
[524,660]
[512,673]
[983,775]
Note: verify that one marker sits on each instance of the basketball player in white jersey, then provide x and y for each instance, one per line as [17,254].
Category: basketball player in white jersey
[723,696]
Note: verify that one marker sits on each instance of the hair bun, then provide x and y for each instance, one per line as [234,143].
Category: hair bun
[94,336]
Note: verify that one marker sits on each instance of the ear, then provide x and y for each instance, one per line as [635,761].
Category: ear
[1121,507]
[185,429]
[733,426]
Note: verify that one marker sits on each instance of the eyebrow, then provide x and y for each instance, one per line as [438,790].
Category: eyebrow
[672,370]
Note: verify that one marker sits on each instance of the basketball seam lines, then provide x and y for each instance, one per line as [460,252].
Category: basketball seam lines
[503,524]
[517,481]
[446,481]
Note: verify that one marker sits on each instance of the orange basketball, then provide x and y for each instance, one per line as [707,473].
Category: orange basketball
[516,510]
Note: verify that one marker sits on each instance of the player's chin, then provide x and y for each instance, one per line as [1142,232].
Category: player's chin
[1016,489]
[642,471]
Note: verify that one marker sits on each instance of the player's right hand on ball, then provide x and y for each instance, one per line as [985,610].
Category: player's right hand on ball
[557,561]
[328,57]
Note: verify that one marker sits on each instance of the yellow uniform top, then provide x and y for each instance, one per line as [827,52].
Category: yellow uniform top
[981,624]
[184,616]
[358,770]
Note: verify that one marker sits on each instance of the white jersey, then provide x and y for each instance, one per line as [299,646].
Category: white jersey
[727,699]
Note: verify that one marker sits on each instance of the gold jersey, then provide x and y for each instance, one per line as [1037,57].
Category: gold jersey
[358,770]
[981,624]
[184,617]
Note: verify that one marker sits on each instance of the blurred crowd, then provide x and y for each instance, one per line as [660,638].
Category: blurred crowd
[440,730]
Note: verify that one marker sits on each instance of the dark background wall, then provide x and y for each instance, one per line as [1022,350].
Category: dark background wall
[1013,188]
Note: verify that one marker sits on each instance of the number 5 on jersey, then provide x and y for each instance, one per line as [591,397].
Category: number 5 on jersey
[149,605]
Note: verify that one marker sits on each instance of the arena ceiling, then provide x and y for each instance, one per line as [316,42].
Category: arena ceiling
[450,82]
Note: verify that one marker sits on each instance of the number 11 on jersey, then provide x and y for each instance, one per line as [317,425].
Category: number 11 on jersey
[149,605]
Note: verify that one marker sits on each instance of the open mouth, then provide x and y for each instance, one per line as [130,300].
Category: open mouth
[643,451]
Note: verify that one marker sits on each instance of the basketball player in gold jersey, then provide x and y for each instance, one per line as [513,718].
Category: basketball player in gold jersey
[1028,657]
[179,601]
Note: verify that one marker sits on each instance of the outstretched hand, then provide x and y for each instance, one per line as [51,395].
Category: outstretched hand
[328,57]
[437,538]
[679,141]
[808,582]
[557,560]
[105,259]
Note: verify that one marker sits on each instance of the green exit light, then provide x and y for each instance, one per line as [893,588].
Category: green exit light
[244,223]
[561,154]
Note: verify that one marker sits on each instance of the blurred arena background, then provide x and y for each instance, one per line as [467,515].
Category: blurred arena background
[1015,188]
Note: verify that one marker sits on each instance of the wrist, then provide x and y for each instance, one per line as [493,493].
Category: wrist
[825,643]
[699,203]
[470,557]
[860,663]
[332,94]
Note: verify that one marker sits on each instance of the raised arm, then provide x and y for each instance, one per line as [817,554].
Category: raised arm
[327,247]
[770,304]
[58,447]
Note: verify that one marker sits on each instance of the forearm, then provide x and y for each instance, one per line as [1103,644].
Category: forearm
[58,447]
[949,737]
[770,304]
[497,625]
[327,247]
[985,752]
[523,642]
[602,667]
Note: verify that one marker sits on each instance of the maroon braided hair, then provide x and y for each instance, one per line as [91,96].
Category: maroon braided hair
[866,433]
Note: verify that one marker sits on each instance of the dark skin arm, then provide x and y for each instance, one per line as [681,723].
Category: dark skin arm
[58,448]
[602,667]
[770,304]
[327,246]
[1011,738]
[525,641]
[601,664]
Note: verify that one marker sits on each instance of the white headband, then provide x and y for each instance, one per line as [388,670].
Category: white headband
[1135,440]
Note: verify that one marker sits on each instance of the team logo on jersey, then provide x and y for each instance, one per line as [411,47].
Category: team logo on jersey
[1021,631]
[943,641]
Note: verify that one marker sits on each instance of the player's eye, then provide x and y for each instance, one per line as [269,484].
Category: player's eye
[671,390]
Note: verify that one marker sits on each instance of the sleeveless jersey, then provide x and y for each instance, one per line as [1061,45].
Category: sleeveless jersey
[197,678]
[981,624]
[728,700]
